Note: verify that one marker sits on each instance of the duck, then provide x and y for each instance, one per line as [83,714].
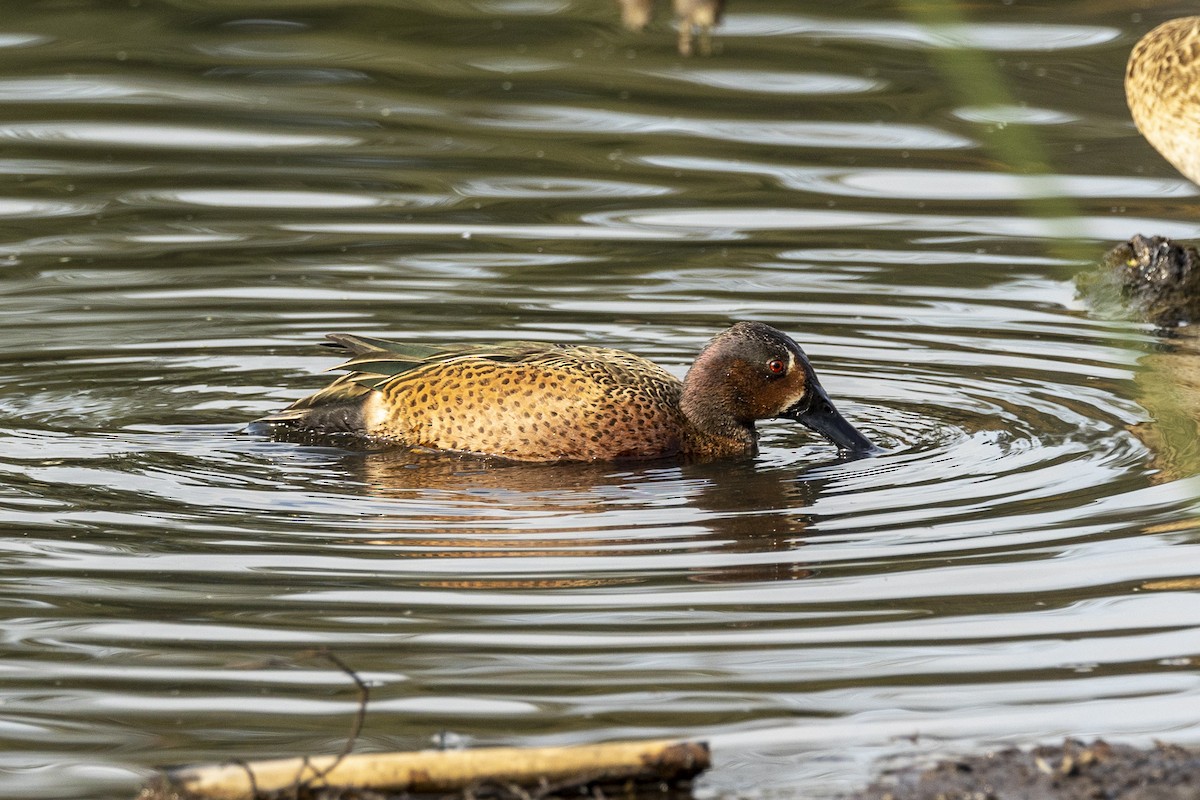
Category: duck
[545,402]
[1162,89]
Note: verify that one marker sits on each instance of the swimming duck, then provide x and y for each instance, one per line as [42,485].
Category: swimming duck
[533,401]
[1162,88]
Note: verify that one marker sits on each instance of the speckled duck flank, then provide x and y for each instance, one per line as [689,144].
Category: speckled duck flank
[1162,87]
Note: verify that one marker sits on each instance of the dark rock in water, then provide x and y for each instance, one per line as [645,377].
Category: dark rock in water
[1074,771]
[1150,278]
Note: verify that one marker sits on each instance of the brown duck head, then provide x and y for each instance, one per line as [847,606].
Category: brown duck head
[753,371]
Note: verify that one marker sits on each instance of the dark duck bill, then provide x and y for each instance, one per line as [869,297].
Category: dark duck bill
[816,411]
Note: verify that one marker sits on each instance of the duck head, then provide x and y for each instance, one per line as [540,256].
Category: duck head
[753,371]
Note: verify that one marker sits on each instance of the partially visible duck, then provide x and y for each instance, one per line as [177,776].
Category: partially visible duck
[1162,87]
[531,401]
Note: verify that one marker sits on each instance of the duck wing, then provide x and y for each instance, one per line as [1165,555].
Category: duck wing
[374,361]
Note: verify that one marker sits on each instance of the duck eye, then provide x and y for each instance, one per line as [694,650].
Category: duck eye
[776,366]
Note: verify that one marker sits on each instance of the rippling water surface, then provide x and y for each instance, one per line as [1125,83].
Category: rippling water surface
[194,193]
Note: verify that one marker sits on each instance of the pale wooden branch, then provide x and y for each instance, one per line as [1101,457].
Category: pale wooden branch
[439,771]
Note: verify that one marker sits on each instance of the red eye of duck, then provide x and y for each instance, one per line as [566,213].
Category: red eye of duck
[776,366]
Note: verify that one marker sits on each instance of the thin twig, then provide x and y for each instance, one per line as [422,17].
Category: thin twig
[237,762]
[360,716]
[364,694]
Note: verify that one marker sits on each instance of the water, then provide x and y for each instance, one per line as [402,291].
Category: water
[194,193]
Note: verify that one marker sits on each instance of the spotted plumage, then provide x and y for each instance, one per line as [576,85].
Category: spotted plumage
[531,401]
[1162,87]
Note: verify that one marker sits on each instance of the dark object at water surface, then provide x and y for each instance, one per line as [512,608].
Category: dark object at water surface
[1149,278]
[532,401]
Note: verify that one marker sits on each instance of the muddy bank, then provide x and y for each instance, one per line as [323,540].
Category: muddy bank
[1072,771]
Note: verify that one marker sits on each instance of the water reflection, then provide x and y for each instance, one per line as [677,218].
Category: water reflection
[718,508]
[1168,382]
[131,135]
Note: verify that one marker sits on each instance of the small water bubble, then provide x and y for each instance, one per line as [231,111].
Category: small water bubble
[506,86]
[466,235]
[122,55]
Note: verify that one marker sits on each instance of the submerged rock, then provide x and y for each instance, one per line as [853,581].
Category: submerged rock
[1150,278]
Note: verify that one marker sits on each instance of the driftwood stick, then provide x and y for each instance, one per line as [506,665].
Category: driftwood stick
[441,771]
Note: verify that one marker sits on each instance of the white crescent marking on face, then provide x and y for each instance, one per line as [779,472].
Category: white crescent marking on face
[792,400]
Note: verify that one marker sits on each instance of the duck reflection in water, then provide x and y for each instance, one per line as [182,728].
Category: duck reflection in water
[695,18]
[455,507]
